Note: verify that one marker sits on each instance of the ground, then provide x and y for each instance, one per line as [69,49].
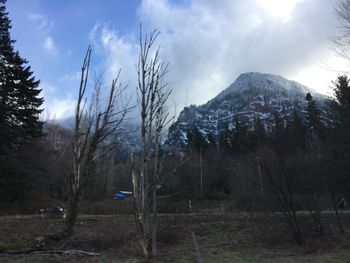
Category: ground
[222,237]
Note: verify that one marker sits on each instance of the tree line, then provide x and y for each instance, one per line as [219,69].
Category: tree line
[299,164]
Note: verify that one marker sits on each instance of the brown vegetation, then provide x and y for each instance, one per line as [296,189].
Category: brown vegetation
[221,238]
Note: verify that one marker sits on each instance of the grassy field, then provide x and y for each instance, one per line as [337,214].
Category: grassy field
[229,237]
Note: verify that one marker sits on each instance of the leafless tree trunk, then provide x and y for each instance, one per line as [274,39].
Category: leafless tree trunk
[152,96]
[312,204]
[94,123]
[314,180]
[336,211]
[281,185]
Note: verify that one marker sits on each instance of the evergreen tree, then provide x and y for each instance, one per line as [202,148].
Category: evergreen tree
[242,141]
[259,131]
[297,130]
[340,111]
[211,141]
[340,104]
[225,139]
[196,140]
[278,126]
[19,101]
[313,116]
[279,135]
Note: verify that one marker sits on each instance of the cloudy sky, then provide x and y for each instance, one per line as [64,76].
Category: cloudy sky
[207,43]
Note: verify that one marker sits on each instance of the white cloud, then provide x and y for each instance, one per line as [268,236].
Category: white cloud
[44,27]
[42,22]
[46,89]
[60,108]
[71,77]
[50,46]
[56,107]
[121,54]
[321,74]
[209,43]
[281,9]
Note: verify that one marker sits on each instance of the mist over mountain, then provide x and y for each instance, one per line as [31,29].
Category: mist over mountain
[251,96]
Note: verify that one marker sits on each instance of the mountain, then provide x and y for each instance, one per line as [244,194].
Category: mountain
[252,95]
[66,123]
[126,138]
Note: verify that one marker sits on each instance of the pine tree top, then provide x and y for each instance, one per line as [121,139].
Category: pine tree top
[19,91]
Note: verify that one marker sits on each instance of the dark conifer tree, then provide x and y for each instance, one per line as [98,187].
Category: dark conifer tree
[211,141]
[340,111]
[19,112]
[259,131]
[278,126]
[297,130]
[278,137]
[225,139]
[19,93]
[241,140]
[196,140]
[340,104]
[313,116]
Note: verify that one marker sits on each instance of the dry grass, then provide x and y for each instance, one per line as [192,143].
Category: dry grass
[222,238]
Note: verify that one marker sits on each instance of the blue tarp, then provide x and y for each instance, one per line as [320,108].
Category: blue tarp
[119,196]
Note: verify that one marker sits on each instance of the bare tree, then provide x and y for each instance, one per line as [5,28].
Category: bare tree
[94,123]
[152,97]
[341,39]
[279,171]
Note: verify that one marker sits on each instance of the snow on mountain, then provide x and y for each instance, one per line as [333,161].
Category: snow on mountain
[252,95]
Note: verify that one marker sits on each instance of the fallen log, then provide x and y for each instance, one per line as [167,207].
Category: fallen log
[66,252]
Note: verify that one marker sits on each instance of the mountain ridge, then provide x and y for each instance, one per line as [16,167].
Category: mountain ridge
[252,95]
[257,76]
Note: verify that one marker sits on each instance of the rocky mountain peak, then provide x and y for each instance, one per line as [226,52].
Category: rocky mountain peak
[252,95]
